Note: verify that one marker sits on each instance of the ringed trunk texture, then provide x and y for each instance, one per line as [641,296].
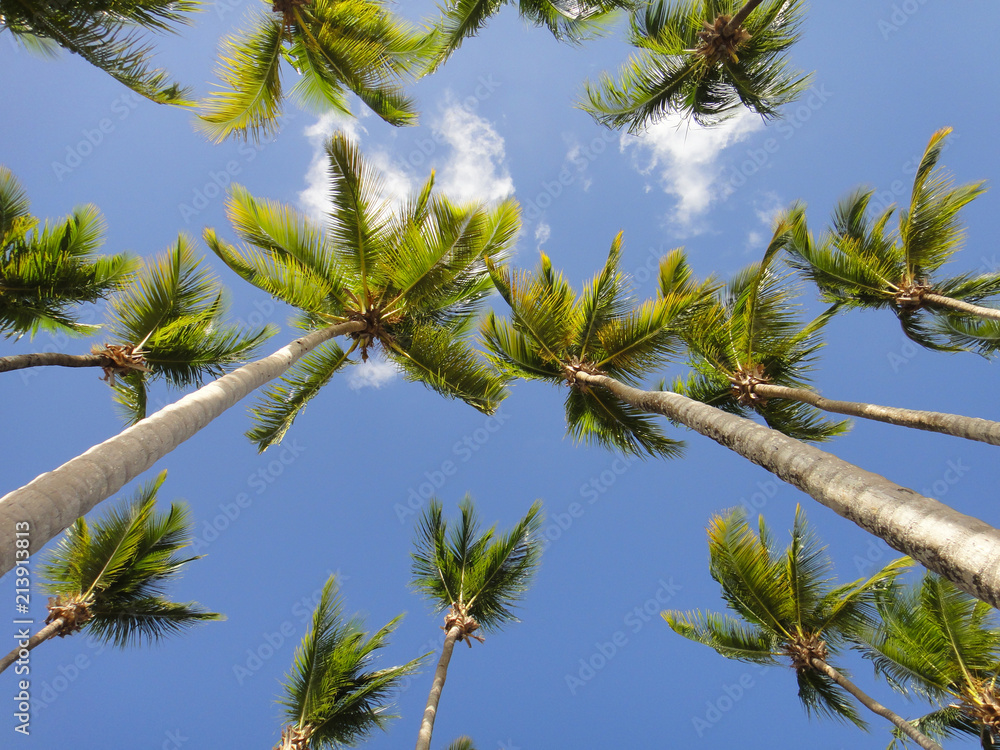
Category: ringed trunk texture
[40,637]
[959,306]
[440,675]
[958,547]
[971,428]
[52,501]
[49,359]
[873,705]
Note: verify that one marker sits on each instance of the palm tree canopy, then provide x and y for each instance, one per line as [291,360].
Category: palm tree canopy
[863,262]
[111,578]
[171,321]
[45,272]
[336,46]
[690,65]
[414,274]
[753,334]
[786,605]
[332,697]
[552,330]
[107,35]
[478,575]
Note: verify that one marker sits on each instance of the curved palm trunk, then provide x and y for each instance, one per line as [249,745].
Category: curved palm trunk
[959,306]
[873,705]
[40,637]
[52,501]
[440,675]
[972,428]
[49,359]
[958,547]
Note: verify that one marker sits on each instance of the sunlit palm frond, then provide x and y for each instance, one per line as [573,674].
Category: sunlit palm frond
[597,417]
[945,723]
[732,638]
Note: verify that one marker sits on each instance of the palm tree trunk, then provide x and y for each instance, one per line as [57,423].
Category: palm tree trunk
[40,637]
[440,675]
[49,359]
[960,548]
[872,705]
[972,428]
[959,306]
[53,501]
[741,15]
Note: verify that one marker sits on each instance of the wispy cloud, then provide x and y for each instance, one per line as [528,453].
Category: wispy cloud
[542,233]
[374,373]
[475,169]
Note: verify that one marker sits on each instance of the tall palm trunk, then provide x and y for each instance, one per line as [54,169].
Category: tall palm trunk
[50,359]
[873,705]
[960,548]
[440,675]
[959,306]
[972,428]
[40,637]
[54,500]
[741,15]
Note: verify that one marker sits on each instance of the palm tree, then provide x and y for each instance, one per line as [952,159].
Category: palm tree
[168,324]
[335,46]
[106,34]
[787,607]
[45,273]
[406,279]
[944,645]
[752,354]
[538,342]
[476,577]
[864,264]
[569,20]
[702,59]
[109,579]
[332,698]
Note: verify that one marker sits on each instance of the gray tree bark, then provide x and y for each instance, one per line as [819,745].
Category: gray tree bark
[38,638]
[49,359]
[959,306]
[440,675]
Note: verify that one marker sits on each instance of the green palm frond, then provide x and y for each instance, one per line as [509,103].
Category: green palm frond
[732,638]
[483,573]
[821,696]
[676,71]
[331,692]
[967,334]
[945,723]
[595,416]
[462,743]
[120,569]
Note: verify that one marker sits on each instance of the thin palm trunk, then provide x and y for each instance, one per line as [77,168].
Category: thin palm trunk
[959,306]
[960,548]
[971,428]
[736,21]
[50,359]
[440,675]
[54,500]
[873,705]
[41,636]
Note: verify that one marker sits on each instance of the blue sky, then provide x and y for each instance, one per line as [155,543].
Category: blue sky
[591,664]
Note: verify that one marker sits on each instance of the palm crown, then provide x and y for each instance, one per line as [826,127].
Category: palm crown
[110,579]
[47,271]
[332,697]
[864,263]
[409,276]
[335,46]
[553,333]
[105,35]
[695,62]
[786,604]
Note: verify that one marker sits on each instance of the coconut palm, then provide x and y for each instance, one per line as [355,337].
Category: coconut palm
[476,577]
[568,20]
[702,59]
[752,354]
[942,644]
[538,341]
[46,272]
[167,324]
[108,35]
[336,46]
[405,279]
[110,579]
[332,696]
[787,606]
[863,263]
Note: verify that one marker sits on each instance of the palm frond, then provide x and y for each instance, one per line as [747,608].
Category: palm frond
[595,416]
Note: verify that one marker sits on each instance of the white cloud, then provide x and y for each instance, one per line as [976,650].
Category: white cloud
[313,199]
[374,373]
[767,208]
[542,233]
[683,157]
[475,170]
